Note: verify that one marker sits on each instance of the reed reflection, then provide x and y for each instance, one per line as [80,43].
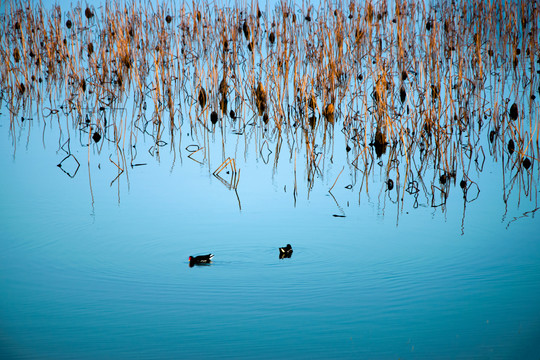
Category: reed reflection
[426,96]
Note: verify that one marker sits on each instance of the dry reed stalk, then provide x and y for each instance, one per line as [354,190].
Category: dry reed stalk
[316,64]
[228,161]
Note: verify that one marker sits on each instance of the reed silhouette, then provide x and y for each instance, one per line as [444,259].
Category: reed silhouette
[425,84]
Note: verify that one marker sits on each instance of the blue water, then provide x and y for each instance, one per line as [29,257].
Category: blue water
[95,266]
[110,279]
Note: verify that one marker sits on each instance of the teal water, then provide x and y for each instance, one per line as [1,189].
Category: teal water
[111,280]
[94,264]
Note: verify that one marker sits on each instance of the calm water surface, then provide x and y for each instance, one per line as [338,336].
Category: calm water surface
[96,267]
[112,280]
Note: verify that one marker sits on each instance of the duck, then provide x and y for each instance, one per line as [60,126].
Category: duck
[285,252]
[200,260]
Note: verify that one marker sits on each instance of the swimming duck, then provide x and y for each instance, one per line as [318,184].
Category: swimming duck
[285,252]
[201,259]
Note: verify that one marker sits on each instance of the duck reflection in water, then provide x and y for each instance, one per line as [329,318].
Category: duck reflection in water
[285,252]
[200,260]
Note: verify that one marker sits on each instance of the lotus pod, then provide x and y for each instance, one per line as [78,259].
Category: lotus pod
[223,105]
[511,146]
[402,94]
[260,98]
[16,55]
[214,117]
[442,179]
[223,87]
[380,143]
[313,121]
[246,30]
[329,113]
[88,13]
[404,75]
[312,102]
[514,112]
[492,135]
[202,97]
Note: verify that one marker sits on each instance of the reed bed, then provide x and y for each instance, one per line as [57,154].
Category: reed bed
[424,90]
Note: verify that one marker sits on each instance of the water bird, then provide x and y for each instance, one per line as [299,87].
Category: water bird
[200,260]
[285,252]
[526,163]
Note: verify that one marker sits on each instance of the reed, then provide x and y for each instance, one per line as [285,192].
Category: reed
[422,84]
